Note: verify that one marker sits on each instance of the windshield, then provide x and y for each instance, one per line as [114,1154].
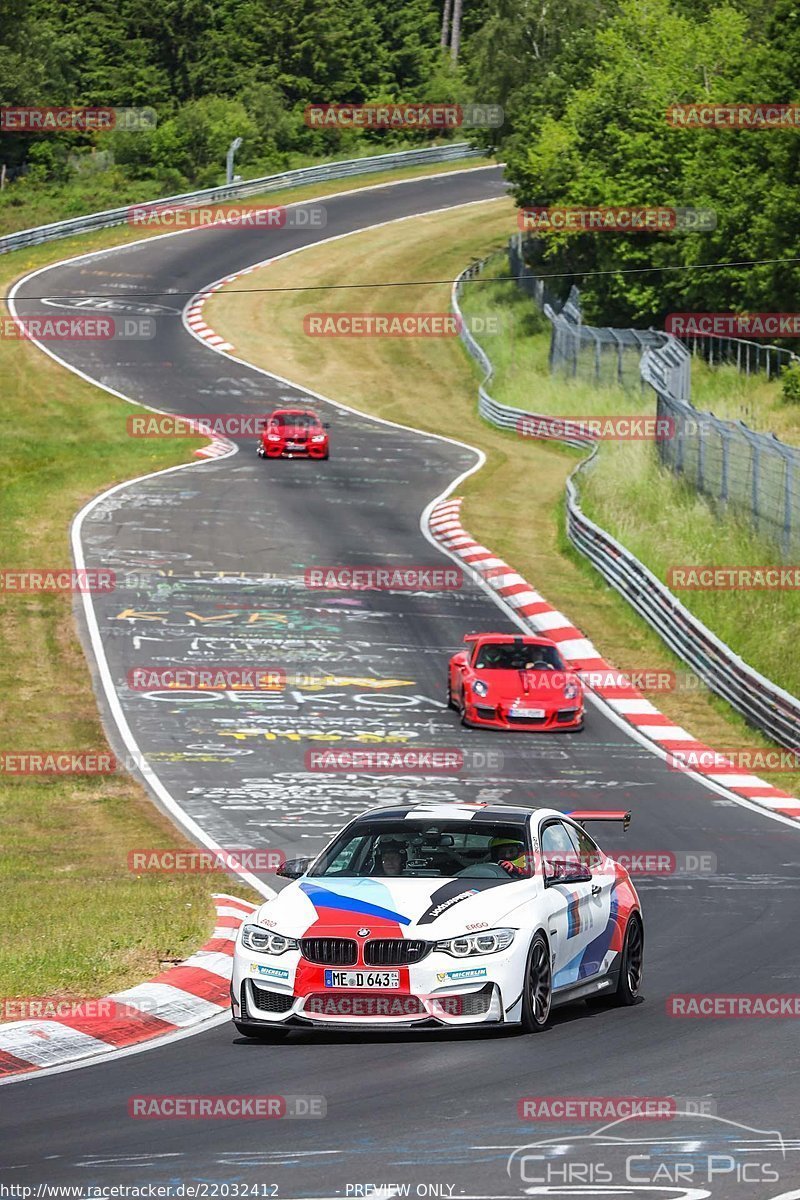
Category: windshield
[508,656]
[301,422]
[435,850]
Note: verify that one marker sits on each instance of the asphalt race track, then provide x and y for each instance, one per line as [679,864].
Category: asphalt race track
[214,559]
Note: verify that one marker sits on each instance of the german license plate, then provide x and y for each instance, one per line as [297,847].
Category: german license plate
[295,446]
[362,979]
[529,712]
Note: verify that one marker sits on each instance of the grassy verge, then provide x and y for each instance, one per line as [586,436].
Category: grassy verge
[513,505]
[66,840]
[522,378]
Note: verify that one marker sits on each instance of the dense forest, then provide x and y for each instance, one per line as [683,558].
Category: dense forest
[585,87]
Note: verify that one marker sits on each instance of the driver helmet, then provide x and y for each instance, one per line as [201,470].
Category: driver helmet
[391,845]
[507,849]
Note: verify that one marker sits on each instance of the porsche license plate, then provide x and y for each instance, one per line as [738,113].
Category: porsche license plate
[528,712]
[362,979]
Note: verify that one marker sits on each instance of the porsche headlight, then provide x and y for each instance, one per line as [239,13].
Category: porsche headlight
[264,941]
[480,688]
[490,941]
[571,691]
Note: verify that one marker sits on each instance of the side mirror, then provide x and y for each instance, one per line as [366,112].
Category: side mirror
[561,871]
[293,868]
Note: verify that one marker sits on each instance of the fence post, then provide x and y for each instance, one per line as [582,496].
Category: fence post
[723,483]
[755,478]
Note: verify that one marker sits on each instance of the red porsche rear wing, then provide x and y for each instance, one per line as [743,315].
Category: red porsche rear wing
[581,816]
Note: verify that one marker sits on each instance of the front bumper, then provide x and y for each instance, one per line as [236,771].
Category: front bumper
[393,1010]
[438,992]
[279,450]
[567,716]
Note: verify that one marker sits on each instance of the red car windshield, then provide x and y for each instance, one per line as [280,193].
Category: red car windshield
[513,656]
[295,423]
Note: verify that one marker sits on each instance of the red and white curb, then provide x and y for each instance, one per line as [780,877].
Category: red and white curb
[580,654]
[185,995]
[195,321]
[217,448]
[194,313]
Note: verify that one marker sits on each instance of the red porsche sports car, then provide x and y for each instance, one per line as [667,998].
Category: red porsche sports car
[293,433]
[507,682]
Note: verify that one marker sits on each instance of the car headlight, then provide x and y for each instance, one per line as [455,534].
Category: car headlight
[264,941]
[491,941]
[319,437]
[571,691]
[480,688]
[273,437]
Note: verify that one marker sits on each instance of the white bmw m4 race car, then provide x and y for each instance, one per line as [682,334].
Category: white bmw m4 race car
[441,915]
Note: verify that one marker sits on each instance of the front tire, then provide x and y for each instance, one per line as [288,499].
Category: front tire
[537,996]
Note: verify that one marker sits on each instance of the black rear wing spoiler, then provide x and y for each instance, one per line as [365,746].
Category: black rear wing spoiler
[581,816]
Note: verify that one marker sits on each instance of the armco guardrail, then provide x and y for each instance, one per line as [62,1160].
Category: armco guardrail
[249,187]
[762,703]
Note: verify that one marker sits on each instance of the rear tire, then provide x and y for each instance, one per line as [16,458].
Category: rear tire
[450,701]
[630,972]
[629,983]
[537,995]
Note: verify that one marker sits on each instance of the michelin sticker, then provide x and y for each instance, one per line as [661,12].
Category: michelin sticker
[473,973]
[273,972]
